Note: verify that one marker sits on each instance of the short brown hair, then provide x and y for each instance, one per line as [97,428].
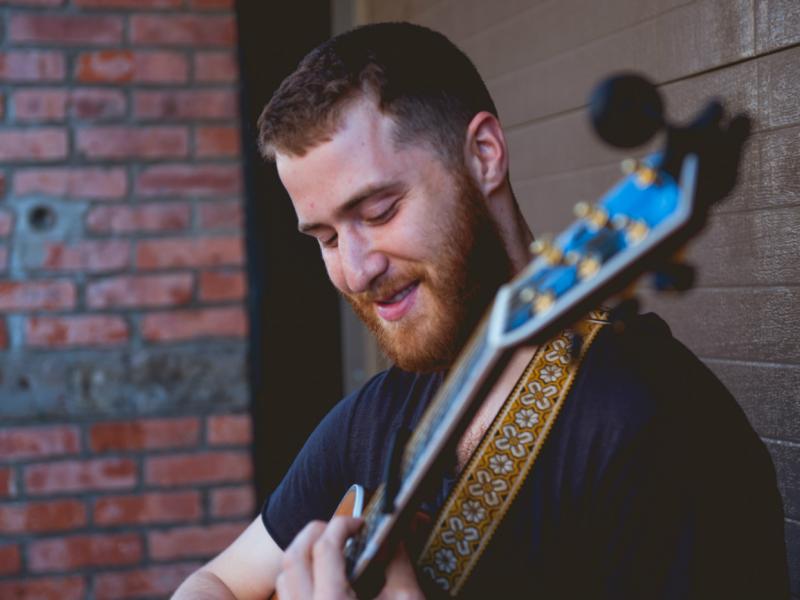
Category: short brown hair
[419,77]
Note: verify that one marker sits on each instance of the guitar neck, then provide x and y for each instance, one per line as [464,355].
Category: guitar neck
[425,454]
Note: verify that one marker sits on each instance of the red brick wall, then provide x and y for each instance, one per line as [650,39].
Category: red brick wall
[124,432]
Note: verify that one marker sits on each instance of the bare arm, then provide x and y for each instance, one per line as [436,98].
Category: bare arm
[245,570]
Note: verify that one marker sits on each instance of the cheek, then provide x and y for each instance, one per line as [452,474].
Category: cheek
[334,269]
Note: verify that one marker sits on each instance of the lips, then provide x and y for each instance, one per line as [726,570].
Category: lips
[398,304]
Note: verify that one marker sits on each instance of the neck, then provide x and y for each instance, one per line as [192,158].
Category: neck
[516,234]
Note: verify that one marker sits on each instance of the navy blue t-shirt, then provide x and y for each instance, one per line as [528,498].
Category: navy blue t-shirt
[652,483]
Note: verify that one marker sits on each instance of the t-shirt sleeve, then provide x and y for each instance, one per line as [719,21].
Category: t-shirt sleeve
[315,481]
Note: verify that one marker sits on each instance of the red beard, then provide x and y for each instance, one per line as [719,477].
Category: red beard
[460,282]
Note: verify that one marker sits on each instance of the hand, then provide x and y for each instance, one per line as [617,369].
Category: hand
[314,567]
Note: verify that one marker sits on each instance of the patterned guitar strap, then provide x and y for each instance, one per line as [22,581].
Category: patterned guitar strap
[498,468]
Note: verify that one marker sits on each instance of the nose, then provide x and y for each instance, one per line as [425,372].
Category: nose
[361,262]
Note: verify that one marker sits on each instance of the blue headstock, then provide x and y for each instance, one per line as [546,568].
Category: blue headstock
[636,227]
[601,252]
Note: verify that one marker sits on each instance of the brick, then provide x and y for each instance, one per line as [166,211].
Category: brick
[192,469]
[65,29]
[37,517]
[176,326]
[132,142]
[157,581]
[145,218]
[6,223]
[45,588]
[79,476]
[123,66]
[221,215]
[37,442]
[189,180]
[40,105]
[217,286]
[35,144]
[138,4]
[189,30]
[229,502]
[36,295]
[189,252]
[62,332]
[216,142]
[91,183]
[211,4]
[3,331]
[229,429]
[215,67]
[156,507]
[140,291]
[75,552]
[10,561]
[7,486]
[32,65]
[49,3]
[91,256]
[144,434]
[97,104]
[185,104]
[192,542]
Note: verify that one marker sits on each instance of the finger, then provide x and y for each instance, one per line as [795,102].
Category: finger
[328,557]
[295,580]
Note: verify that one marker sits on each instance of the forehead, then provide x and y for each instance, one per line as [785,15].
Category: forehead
[360,153]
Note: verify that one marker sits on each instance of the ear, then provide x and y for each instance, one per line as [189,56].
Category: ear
[486,152]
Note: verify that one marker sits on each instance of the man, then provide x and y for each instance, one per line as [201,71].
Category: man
[651,484]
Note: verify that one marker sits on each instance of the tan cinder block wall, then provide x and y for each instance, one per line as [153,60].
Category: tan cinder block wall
[540,60]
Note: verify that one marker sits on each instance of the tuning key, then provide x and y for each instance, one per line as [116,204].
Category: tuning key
[636,231]
[526,295]
[545,249]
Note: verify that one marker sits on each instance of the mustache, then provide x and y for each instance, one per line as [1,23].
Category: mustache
[386,288]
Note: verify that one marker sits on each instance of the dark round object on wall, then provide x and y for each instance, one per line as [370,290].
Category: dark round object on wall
[41,218]
[626,110]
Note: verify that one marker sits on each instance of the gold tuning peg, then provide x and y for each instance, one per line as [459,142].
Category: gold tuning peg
[544,302]
[582,210]
[527,295]
[636,231]
[545,249]
[645,174]
[588,266]
[629,166]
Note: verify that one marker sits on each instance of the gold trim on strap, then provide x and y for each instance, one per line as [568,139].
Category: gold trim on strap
[498,468]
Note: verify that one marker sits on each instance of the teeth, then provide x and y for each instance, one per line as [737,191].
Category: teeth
[400,295]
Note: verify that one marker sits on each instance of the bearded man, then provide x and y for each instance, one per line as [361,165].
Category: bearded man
[651,483]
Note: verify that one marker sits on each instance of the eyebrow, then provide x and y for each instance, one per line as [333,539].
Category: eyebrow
[362,195]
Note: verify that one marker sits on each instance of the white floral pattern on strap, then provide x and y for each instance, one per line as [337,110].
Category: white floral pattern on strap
[502,461]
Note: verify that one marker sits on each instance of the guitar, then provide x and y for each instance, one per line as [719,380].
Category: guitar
[636,228]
